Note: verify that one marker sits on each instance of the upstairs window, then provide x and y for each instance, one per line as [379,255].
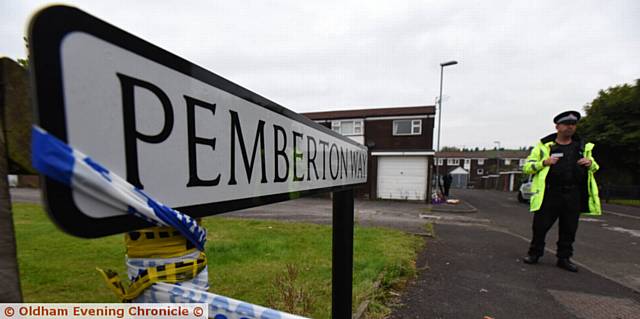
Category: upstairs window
[507,161]
[347,127]
[481,161]
[407,127]
[453,161]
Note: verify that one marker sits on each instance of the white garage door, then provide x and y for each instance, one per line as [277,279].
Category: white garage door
[402,177]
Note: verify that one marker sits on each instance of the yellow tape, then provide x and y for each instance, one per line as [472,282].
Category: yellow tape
[156,242]
[169,273]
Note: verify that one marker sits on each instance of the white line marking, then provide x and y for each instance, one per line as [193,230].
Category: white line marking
[632,232]
[622,215]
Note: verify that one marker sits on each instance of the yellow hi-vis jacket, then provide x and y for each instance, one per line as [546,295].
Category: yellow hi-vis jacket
[590,202]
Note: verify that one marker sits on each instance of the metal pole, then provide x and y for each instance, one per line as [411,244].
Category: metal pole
[439,129]
[342,260]
[498,164]
[442,65]
[498,158]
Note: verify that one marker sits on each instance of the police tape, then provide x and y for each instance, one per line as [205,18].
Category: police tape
[170,272]
[57,160]
[164,263]
[219,306]
[157,242]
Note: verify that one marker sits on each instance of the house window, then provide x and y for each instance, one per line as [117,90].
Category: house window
[507,161]
[407,127]
[521,162]
[348,127]
[481,161]
[440,161]
[480,171]
[453,161]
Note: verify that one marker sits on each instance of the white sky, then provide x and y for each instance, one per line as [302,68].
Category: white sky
[520,63]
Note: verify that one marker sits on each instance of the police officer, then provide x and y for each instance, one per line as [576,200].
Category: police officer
[564,186]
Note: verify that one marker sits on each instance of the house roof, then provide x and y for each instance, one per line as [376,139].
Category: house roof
[387,111]
[484,154]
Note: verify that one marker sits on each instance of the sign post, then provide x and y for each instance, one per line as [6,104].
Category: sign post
[186,136]
[342,262]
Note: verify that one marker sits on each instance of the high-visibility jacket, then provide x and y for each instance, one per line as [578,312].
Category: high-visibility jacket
[590,201]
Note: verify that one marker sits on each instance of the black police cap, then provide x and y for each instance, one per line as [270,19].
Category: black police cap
[568,117]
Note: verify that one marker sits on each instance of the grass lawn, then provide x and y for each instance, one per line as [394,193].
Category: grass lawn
[250,260]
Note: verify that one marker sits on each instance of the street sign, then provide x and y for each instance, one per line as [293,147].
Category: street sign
[186,136]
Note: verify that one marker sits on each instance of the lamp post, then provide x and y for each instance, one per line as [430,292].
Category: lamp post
[497,157]
[442,65]
[497,163]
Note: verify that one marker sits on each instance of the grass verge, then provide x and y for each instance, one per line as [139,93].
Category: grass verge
[277,264]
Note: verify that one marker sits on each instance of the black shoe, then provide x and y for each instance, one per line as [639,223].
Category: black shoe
[531,259]
[566,264]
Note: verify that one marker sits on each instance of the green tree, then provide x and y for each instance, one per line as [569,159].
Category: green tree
[23,63]
[449,149]
[612,122]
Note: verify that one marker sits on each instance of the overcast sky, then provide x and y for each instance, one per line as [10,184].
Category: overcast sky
[520,63]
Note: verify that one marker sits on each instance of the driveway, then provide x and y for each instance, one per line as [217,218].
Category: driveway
[394,214]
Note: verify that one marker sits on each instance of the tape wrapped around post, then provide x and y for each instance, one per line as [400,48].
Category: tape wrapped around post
[179,273]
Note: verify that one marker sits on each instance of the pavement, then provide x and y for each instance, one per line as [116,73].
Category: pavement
[473,269]
[459,207]
[477,272]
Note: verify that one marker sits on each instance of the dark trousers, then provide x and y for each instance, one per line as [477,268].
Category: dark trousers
[561,203]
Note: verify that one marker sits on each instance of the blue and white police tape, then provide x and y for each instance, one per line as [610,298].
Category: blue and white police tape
[59,161]
[220,307]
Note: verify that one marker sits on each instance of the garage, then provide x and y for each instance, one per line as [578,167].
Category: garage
[402,177]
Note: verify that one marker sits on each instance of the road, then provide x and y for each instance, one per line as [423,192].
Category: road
[608,245]
[474,269]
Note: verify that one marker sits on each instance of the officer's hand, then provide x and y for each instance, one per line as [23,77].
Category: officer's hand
[584,162]
[551,161]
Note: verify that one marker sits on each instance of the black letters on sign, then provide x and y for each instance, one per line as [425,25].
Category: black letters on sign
[334,177]
[131,135]
[236,129]
[310,159]
[192,140]
[280,153]
[324,159]
[296,155]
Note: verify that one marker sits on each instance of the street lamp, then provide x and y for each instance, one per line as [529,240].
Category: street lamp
[442,65]
[497,158]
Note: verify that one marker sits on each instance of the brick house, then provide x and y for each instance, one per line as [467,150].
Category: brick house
[400,143]
[485,169]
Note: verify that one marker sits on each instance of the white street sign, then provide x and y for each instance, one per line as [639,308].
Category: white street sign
[187,137]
